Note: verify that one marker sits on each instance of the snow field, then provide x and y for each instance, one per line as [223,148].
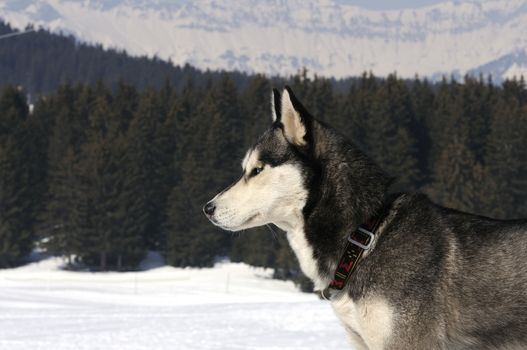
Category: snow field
[230,306]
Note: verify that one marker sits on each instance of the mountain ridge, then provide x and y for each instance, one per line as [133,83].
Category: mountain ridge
[278,37]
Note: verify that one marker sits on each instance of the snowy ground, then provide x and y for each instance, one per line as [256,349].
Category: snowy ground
[231,306]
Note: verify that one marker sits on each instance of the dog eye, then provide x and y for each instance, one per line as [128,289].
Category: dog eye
[256,171]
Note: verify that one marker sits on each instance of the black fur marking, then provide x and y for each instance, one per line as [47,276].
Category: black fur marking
[273,148]
[277,103]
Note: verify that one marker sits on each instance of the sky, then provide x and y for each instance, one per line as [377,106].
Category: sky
[390,4]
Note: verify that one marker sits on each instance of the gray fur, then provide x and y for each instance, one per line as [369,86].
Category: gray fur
[455,280]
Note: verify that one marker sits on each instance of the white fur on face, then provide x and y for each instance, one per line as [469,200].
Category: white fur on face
[276,195]
[246,158]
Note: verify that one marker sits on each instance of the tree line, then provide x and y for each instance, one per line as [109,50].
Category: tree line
[40,61]
[101,175]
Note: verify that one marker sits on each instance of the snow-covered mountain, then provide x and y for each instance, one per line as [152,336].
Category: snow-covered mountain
[328,37]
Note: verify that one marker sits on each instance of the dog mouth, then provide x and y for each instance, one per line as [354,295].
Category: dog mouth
[243,225]
[251,218]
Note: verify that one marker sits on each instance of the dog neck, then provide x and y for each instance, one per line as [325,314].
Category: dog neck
[304,251]
[320,269]
[342,195]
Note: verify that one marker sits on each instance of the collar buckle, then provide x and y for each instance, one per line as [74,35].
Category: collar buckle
[369,239]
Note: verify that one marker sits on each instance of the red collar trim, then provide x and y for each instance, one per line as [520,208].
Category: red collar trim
[359,241]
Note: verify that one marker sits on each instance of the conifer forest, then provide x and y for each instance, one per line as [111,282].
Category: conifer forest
[105,156]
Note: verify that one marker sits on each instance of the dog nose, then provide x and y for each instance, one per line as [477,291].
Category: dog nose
[209,208]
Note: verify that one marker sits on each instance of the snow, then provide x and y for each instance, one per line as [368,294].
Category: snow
[516,71]
[329,37]
[230,306]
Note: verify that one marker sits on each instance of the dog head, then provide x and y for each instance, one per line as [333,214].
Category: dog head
[272,187]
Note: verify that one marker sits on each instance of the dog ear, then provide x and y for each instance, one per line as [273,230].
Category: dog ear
[276,105]
[294,118]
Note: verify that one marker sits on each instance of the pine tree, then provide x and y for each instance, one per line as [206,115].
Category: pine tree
[57,229]
[125,104]
[320,100]
[191,240]
[68,112]
[102,206]
[148,164]
[506,156]
[477,101]
[16,214]
[59,233]
[389,140]
[423,98]
[207,168]
[447,115]
[357,109]
[455,184]
[255,109]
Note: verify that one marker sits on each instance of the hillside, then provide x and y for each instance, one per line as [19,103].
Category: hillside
[40,61]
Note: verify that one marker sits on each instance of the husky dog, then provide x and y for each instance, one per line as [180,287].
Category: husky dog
[433,278]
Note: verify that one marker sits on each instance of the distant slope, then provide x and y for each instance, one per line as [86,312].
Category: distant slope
[280,37]
[40,61]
